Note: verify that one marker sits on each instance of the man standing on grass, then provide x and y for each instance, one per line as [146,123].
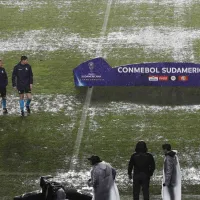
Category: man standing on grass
[144,166]
[22,80]
[171,187]
[3,84]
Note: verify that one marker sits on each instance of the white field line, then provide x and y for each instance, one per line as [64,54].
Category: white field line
[81,128]
[103,31]
[89,94]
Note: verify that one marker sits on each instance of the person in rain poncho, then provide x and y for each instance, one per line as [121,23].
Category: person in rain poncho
[103,180]
[171,186]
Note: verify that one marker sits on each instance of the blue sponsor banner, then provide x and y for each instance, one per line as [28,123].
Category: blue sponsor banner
[97,72]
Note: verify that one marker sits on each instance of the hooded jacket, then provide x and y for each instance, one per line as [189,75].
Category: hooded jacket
[170,173]
[141,161]
[22,76]
[3,78]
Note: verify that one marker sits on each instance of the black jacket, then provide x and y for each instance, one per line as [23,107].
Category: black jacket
[141,162]
[3,78]
[22,76]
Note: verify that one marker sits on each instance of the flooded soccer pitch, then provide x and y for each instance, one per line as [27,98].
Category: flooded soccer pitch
[132,32]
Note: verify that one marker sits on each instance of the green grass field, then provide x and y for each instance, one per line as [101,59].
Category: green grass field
[58,35]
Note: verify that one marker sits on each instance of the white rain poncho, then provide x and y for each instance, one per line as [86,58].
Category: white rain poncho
[102,181]
[175,177]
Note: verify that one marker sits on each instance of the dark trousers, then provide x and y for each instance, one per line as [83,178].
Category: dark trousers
[2,92]
[141,180]
[171,192]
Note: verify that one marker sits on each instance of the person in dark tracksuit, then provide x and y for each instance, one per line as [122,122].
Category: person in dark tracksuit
[170,173]
[3,84]
[22,80]
[144,166]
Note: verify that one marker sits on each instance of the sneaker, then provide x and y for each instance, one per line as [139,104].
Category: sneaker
[28,109]
[5,111]
[22,113]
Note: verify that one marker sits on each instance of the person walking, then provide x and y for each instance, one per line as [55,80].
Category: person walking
[171,186]
[103,180]
[3,84]
[143,165]
[22,80]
